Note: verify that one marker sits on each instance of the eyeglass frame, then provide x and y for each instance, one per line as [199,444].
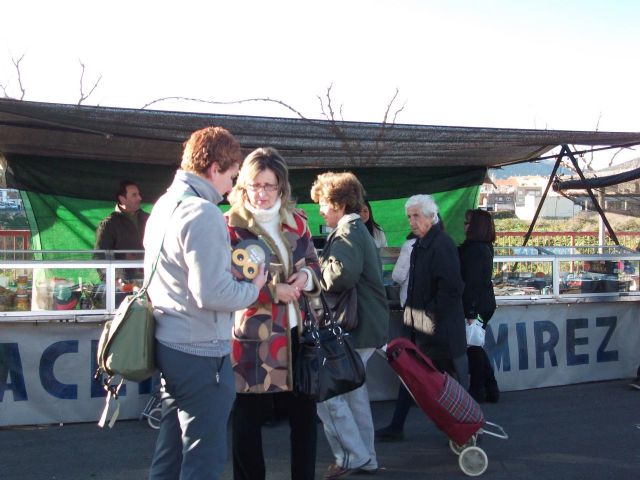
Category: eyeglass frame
[266,187]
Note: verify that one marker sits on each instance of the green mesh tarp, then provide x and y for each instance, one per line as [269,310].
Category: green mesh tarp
[67,198]
[66,223]
[63,223]
[88,179]
[98,180]
[391,216]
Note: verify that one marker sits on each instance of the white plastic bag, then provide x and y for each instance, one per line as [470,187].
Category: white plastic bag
[475,333]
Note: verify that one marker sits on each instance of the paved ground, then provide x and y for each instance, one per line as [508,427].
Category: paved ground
[587,432]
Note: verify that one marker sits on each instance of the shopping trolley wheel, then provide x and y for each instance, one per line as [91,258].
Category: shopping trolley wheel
[457,449]
[473,461]
[153,418]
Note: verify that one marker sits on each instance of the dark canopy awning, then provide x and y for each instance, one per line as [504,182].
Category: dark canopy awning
[54,148]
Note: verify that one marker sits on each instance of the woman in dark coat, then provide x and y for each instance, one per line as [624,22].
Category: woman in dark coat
[433,310]
[476,263]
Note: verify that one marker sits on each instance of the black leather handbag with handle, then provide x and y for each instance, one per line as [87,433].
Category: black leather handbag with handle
[327,364]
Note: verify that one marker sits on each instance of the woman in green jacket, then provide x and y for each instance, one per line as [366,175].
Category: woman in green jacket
[350,260]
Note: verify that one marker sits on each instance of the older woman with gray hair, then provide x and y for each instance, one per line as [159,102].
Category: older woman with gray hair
[433,309]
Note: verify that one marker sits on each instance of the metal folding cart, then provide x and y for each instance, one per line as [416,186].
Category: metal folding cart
[446,403]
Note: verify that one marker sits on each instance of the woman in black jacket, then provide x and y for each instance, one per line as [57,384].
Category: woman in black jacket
[476,263]
[433,311]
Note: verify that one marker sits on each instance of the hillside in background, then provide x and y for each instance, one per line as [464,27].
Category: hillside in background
[542,168]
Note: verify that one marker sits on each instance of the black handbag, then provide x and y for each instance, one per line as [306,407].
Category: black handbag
[327,365]
[344,308]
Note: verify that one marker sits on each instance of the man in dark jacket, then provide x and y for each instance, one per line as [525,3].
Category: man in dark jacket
[433,311]
[124,228]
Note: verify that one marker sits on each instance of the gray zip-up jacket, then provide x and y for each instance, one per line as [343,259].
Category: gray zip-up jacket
[193,291]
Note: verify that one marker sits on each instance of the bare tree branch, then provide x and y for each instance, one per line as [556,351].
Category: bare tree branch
[329,106]
[398,111]
[616,154]
[386,112]
[324,114]
[16,63]
[379,149]
[83,97]
[353,148]
[231,102]
[357,153]
[588,163]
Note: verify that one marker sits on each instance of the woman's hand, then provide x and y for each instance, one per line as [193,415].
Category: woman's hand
[286,293]
[261,278]
[299,279]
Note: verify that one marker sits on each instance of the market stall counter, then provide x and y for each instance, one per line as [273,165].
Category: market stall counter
[565,315]
[53,305]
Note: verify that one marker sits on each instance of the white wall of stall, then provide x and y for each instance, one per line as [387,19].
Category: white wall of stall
[544,345]
[536,345]
[46,375]
[46,369]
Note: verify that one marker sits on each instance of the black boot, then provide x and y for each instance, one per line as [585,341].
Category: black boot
[476,373]
[493,392]
[393,432]
[478,394]
[389,434]
[489,379]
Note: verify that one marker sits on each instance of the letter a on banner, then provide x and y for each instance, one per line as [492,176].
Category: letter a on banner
[11,366]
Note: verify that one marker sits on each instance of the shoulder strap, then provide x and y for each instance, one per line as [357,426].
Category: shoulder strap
[181,198]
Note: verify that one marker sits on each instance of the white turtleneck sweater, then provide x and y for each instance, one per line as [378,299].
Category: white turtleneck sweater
[269,220]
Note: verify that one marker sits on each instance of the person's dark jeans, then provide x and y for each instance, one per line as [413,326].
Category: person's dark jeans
[249,414]
[253,410]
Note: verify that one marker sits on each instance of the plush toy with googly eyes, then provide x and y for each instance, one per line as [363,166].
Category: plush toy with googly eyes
[247,256]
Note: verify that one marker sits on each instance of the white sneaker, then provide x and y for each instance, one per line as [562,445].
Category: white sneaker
[635,384]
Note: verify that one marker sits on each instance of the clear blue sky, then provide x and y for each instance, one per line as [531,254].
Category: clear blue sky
[519,63]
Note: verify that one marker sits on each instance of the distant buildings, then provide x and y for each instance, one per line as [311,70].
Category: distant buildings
[622,198]
[10,199]
[522,195]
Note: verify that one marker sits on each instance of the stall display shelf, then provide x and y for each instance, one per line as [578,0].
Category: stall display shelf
[80,286]
[85,286]
[558,274]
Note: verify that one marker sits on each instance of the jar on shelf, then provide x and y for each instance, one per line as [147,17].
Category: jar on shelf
[7,299]
[22,285]
[23,303]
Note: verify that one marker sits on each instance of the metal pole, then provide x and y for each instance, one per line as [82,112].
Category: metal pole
[601,235]
[544,196]
[612,234]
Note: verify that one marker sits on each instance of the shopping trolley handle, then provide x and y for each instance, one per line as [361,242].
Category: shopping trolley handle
[499,431]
